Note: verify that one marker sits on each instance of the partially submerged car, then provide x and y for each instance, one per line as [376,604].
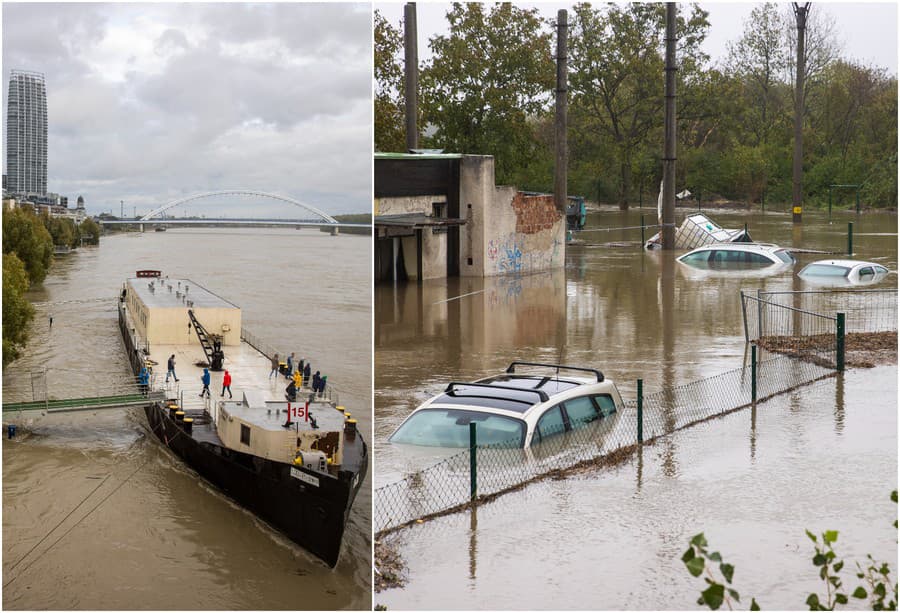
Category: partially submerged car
[512,409]
[843,272]
[738,256]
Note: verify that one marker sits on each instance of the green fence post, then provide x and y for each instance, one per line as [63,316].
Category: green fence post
[857,200]
[753,373]
[840,342]
[640,415]
[642,231]
[850,238]
[473,462]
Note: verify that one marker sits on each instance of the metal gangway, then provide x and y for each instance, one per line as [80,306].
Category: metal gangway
[107,393]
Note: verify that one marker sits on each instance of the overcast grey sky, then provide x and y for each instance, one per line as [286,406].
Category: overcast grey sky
[866,30]
[151,102]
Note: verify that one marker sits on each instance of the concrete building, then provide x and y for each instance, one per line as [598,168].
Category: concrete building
[441,215]
[26,134]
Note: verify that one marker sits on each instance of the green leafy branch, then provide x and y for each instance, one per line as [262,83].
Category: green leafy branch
[878,588]
[717,593]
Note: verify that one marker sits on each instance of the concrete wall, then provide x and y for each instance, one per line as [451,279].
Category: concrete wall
[400,205]
[506,231]
[434,246]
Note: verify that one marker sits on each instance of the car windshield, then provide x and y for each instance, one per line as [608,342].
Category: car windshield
[728,259]
[784,256]
[450,428]
[825,270]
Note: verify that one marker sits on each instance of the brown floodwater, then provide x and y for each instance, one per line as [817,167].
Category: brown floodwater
[821,457]
[96,514]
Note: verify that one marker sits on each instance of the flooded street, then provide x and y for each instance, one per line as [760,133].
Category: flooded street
[93,503]
[822,457]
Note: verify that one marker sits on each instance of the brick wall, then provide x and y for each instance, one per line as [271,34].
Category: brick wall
[534,213]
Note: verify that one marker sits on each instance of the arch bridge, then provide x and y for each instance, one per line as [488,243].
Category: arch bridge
[328,219]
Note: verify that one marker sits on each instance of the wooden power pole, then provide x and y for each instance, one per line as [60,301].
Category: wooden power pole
[411,71]
[668,204]
[560,186]
[800,13]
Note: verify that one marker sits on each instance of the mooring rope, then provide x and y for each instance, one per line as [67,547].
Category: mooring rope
[75,525]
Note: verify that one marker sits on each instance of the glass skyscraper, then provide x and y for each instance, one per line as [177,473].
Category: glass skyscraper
[26,134]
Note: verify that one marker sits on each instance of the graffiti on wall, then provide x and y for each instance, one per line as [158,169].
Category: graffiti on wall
[509,254]
[506,254]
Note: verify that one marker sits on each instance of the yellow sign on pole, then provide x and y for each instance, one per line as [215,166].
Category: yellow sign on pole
[798,210]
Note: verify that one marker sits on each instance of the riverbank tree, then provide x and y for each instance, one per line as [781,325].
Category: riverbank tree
[90,231]
[25,236]
[488,87]
[17,312]
[388,103]
[488,79]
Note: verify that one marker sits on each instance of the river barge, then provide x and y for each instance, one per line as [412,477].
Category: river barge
[298,465]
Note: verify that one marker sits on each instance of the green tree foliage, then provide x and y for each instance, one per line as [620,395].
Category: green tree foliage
[17,312]
[63,231]
[388,104]
[489,87]
[878,587]
[25,236]
[617,77]
[90,231]
[759,61]
[489,82]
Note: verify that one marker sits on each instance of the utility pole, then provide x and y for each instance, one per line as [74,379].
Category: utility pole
[560,186]
[800,13]
[122,210]
[668,204]
[411,70]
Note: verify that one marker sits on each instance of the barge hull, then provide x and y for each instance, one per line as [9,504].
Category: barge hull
[309,508]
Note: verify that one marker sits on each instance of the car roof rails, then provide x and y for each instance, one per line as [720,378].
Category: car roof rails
[541,393]
[512,368]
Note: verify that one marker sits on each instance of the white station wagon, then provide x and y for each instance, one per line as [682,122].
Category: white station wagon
[737,256]
[513,410]
[844,272]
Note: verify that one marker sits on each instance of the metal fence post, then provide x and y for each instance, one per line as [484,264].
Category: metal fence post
[642,231]
[640,410]
[473,461]
[840,342]
[850,238]
[753,373]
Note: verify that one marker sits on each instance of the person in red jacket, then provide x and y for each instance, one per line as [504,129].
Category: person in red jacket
[226,384]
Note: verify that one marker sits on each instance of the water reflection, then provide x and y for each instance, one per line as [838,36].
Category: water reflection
[473,544]
[631,314]
[839,403]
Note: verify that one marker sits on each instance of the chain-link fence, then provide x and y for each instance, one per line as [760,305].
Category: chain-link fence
[814,325]
[450,484]
[866,310]
[791,332]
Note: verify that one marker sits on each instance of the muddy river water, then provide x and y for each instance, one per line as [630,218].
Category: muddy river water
[96,514]
[821,457]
